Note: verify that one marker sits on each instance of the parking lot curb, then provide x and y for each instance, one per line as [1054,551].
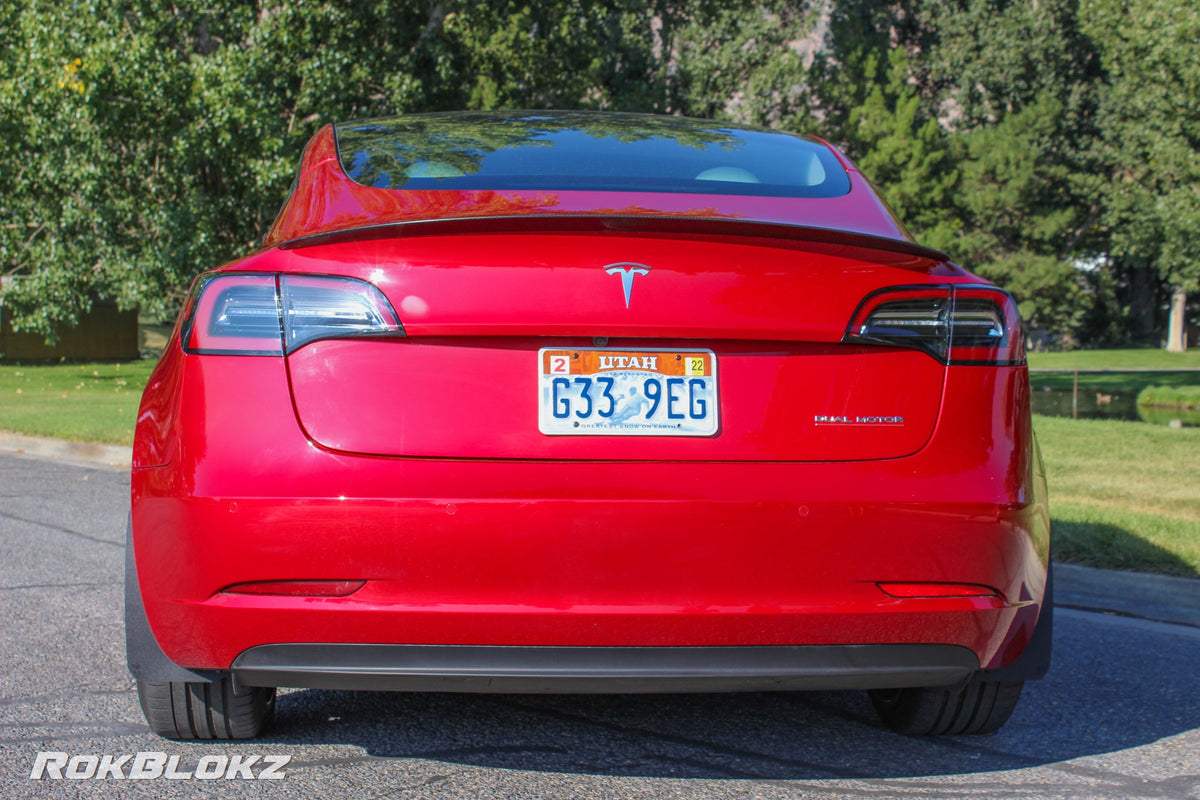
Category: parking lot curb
[1162,598]
[83,452]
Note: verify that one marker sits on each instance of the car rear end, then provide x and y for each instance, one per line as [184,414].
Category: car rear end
[581,454]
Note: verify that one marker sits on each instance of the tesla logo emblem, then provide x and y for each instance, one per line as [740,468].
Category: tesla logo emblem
[627,270]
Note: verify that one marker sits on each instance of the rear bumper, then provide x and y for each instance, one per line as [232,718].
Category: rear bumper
[755,559]
[543,670]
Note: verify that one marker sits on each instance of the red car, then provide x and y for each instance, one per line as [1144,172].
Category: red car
[584,402]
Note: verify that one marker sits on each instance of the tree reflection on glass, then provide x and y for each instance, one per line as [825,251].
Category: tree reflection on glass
[583,150]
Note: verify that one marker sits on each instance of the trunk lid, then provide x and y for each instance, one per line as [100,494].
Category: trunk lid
[483,311]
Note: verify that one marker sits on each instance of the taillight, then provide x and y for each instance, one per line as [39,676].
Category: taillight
[954,324]
[270,315]
[324,308]
[235,315]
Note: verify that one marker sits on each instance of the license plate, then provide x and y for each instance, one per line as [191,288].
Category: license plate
[627,392]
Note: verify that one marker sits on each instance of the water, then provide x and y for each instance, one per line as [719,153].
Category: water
[1099,400]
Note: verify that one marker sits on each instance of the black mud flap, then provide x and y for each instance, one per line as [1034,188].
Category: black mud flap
[1034,662]
[147,662]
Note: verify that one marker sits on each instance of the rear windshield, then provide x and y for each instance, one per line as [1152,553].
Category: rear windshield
[585,151]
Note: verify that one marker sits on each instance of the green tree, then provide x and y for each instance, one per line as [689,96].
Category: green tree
[144,140]
[905,152]
[1150,145]
[987,59]
[866,97]
[745,61]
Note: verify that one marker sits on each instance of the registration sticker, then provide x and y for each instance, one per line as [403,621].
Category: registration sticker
[627,392]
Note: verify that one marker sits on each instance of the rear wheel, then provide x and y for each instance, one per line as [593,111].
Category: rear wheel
[978,707]
[206,710]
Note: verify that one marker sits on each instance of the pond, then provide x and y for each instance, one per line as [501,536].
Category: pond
[1108,395]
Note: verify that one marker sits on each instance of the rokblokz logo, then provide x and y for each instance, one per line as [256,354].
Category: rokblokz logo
[154,765]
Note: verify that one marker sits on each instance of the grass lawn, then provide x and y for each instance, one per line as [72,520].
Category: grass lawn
[1140,358]
[89,402]
[1123,495]
[1114,382]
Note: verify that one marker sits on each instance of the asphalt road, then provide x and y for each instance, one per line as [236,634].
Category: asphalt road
[1118,717]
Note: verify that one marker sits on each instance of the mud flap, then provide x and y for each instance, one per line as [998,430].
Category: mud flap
[147,661]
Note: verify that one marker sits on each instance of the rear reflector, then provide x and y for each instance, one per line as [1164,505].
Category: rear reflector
[954,324]
[915,590]
[268,315]
[297,588]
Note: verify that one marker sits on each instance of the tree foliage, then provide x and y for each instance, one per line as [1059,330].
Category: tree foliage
[142,141]
[1150,139]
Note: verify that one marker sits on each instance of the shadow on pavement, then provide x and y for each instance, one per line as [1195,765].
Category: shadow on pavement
[1115,685]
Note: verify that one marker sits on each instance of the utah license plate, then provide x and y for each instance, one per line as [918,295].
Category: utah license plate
[627,392]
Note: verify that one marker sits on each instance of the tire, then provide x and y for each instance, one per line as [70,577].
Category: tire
[206,710]
[978,707]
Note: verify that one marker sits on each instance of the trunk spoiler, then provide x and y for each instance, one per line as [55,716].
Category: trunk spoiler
[624,223]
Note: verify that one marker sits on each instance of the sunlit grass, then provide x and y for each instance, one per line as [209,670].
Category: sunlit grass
[1134,358]
[1114,382]
[1124,495]
[88,402]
